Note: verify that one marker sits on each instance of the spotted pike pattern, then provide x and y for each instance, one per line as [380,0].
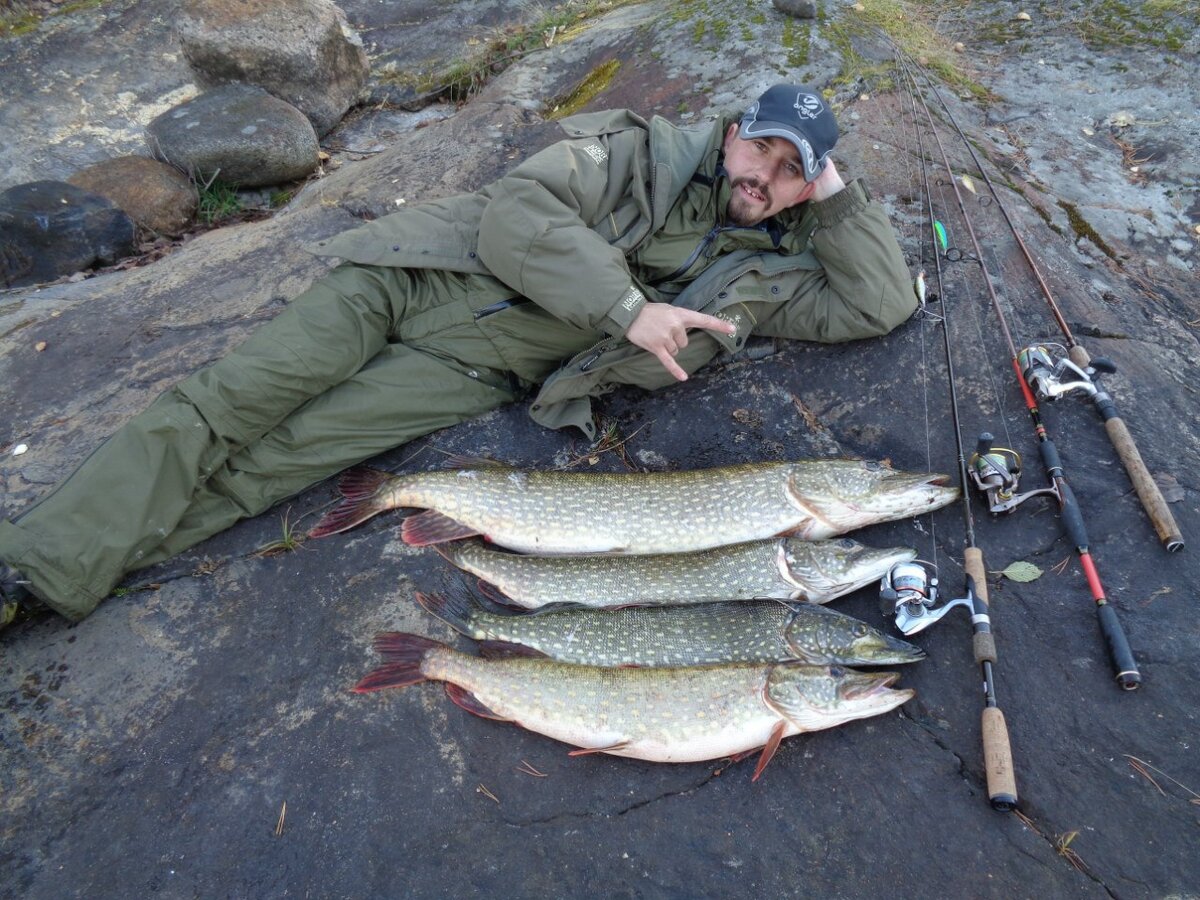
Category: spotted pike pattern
[667,512]
[665,714]
[703,634]
[780,568]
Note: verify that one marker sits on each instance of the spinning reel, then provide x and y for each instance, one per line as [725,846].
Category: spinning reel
[1050,379]
[909,591]
[996,472]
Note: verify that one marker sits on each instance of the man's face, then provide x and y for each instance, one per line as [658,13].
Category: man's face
[766,176]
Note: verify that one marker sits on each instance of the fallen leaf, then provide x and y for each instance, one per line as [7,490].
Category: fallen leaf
[967,183]
[1088,132]
[39,346]
[1023,17]
[1021,571]
[1121,119]
[20,449]
[959,47]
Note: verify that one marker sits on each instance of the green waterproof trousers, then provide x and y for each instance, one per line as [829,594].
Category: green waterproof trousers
[365,360]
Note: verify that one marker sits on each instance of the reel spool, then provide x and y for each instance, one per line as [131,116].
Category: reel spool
[996,472]
[1050,379]
[909,591]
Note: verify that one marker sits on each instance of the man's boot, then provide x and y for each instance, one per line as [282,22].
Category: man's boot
[16,603]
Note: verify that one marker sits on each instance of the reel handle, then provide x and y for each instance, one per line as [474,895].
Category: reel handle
[984,445]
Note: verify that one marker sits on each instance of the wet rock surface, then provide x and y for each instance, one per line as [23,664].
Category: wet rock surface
[152,748]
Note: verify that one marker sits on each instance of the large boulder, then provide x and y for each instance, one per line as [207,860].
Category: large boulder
[238,133]
[51,228]
[156,196]
[302,51]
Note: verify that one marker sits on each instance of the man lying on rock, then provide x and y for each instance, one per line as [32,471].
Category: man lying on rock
[604,250]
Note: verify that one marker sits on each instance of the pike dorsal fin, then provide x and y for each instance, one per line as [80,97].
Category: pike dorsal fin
[468,701]
[432,527]
[463,461]
[508,650]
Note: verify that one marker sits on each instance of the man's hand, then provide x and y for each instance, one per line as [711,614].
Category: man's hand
[828,183]
[662,329]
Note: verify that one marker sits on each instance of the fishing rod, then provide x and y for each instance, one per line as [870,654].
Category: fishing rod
[1077,372]
[991,465]
[910,590]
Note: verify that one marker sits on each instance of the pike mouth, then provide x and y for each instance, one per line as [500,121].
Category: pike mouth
[873,685]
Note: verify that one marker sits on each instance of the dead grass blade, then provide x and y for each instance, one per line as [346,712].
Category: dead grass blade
[1143,768]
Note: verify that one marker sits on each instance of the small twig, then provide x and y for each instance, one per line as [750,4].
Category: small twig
[481,789]
[530,770]
[1059,568]
[282,816]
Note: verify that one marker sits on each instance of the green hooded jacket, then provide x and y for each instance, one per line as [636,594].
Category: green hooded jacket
[565,228]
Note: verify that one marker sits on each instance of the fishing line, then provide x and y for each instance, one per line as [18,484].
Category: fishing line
[1120,654]
[1046,376]
[911,596]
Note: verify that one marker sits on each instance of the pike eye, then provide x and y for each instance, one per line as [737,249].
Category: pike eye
[860,630]
[847,543]
[872,466]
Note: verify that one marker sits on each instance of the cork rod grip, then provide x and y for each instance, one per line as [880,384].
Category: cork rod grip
[997,760]
[983,642]
[1143,483]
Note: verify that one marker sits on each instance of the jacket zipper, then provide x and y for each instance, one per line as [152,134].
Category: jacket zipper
[499,306]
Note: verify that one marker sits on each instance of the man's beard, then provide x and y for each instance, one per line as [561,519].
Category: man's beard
[739,210]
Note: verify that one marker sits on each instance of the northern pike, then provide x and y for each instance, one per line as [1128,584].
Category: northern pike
[702,634]
[553,513]
[683,714]
[773,569]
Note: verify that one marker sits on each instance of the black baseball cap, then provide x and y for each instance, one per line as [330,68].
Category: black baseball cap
[799,114]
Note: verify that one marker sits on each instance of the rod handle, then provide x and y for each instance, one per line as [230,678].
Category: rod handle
[1143,483]
[982,641]
[1128,676]
[997,760]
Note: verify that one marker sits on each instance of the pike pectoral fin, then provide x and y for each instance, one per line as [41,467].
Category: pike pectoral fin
[431,527]
[769,749]
[468,701]
[588,751]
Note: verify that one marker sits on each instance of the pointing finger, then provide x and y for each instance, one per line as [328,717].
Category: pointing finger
[711,323]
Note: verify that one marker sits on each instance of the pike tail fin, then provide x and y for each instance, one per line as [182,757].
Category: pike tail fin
[364,496]
[402,656]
